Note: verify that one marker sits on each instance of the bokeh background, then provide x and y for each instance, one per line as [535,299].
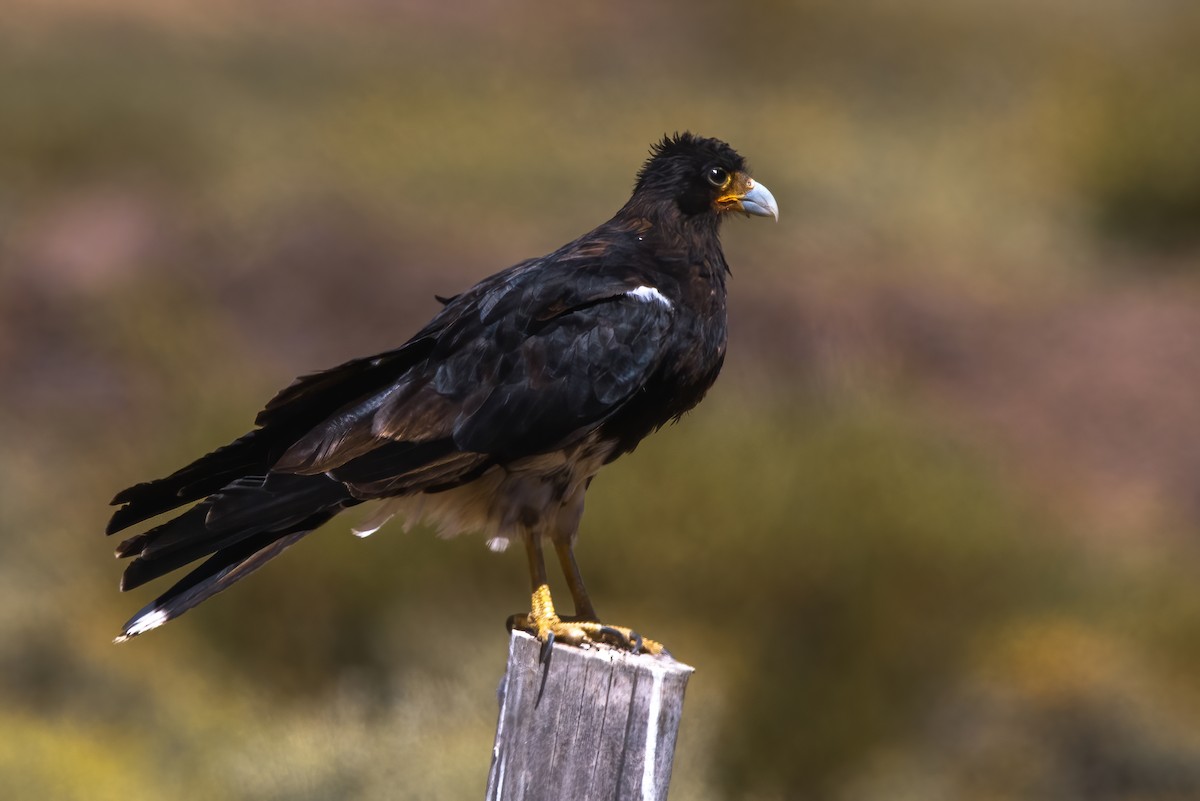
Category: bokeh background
[934,535]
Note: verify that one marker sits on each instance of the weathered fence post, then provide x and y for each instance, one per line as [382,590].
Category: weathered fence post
[597,724]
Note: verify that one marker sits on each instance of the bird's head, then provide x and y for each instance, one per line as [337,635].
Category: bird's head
[703,177]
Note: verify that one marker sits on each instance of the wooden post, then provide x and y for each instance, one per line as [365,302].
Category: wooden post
[595,724]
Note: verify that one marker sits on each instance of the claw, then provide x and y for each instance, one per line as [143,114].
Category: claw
[543,623]
[613,634]
[583,633]
[628,638]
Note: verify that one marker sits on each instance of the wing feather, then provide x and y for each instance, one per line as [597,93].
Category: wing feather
[550,367]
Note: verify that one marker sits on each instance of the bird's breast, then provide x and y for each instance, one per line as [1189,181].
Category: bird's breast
[692,352]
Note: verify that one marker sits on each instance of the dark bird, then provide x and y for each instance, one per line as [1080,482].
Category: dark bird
[493,418]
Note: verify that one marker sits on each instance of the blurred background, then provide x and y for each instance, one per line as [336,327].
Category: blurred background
[934,535]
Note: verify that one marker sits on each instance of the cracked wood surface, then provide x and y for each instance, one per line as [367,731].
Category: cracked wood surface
[594,724]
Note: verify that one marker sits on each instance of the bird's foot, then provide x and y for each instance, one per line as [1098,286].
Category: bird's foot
[585,633]
[548,627]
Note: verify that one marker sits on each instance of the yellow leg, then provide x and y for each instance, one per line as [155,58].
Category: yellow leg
[545,623]
[542,616]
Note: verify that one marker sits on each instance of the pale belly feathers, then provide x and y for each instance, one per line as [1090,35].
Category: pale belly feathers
[543,493]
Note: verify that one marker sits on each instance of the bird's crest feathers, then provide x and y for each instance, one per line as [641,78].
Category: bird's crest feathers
[682,150]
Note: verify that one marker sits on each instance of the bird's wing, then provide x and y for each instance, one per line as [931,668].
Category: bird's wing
[579,361]
[519,370]
[321,393]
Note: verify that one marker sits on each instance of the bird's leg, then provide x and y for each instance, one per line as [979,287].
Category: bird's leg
[543,622]
[585,618]
[579,594]
[542,619]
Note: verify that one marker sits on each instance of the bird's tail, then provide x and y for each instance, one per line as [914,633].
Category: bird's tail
[239,529]
[253,453]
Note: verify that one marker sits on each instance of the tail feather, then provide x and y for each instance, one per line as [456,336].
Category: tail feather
[244,509]
[275,500]
[184,529]
[245,513]
[189,540]
[253,453]
[221,571]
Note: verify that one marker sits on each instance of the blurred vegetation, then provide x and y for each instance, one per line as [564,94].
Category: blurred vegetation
[932,537]
[1146,170]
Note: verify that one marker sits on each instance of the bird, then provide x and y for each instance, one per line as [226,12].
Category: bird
[493,418]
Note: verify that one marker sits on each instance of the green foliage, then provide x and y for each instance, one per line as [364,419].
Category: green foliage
[1145,168]
[1151,203]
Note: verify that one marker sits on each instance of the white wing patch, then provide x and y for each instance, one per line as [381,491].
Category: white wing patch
[648,294]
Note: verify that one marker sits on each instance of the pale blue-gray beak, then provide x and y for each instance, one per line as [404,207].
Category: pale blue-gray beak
[759,201]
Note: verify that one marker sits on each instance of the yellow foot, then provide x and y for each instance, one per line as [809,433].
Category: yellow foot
[585,633]
[548,627]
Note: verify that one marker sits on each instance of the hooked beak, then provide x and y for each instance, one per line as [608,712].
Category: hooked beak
[746,195]
[759,201]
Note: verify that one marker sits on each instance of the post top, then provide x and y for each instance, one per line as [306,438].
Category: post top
[522,642]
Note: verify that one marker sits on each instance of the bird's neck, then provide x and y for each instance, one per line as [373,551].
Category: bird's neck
[666,221]
[691,239]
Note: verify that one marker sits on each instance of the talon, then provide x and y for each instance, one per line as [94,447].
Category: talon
[584,633]
[543,623]
[613,634]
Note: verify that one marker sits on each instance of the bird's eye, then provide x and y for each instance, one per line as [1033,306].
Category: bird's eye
[717,176]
